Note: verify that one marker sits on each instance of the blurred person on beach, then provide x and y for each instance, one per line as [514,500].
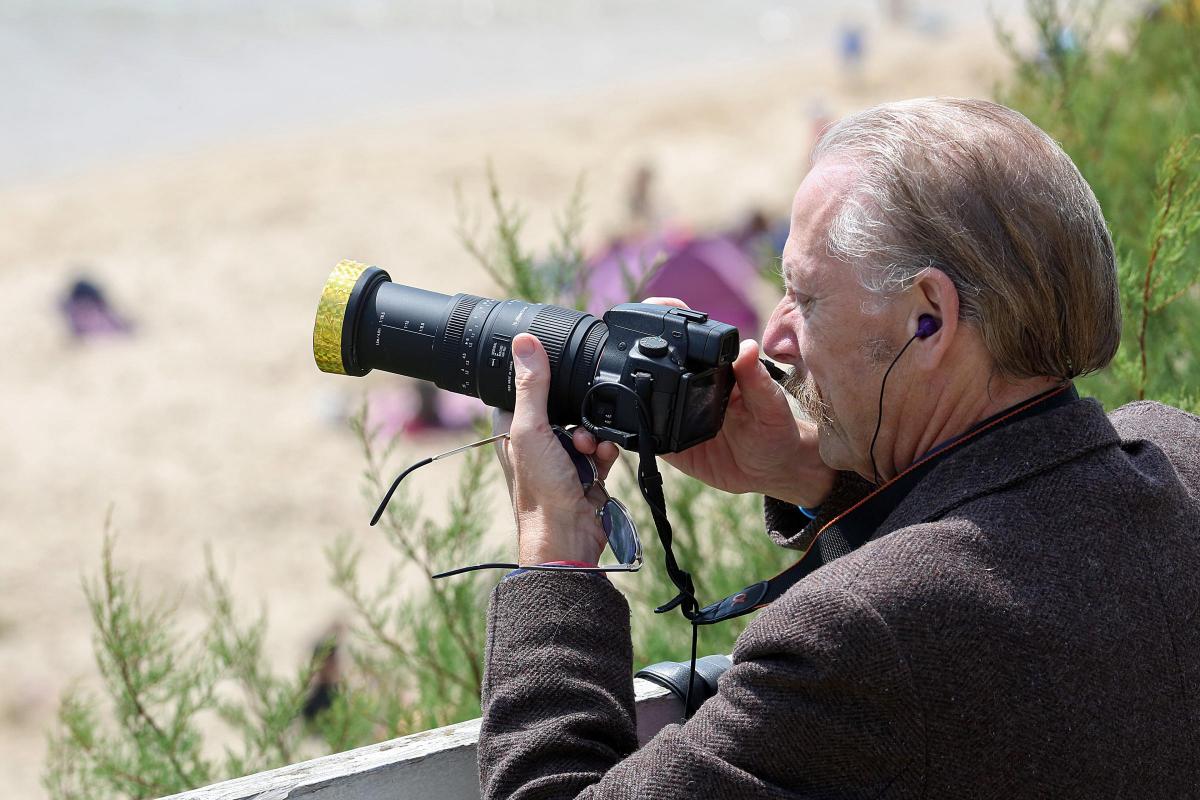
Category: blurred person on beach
[88,314]
[643,210]
[416,408]
[852,49]
[1005,598]
[897,11]
[326,673]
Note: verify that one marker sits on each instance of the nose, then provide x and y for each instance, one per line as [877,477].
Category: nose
[780,341]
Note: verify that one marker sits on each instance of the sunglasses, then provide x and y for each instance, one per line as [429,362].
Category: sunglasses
[614,517]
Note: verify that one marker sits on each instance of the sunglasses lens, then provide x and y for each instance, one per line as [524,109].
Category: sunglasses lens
[614,517]
[621,532]
[583,464]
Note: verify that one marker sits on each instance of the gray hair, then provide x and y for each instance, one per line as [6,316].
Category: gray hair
[979,192]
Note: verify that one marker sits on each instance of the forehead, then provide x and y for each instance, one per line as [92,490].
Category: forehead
[818,199]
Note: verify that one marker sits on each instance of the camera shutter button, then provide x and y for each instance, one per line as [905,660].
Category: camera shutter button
[653,346]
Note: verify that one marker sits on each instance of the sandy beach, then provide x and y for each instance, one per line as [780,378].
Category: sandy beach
[210,426]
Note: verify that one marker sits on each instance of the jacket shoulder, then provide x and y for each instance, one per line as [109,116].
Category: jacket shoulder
[1149,419]
[1173,431]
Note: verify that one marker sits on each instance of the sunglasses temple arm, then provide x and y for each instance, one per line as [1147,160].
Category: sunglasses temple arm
[395,484]
[631,567]
[472,568]
[470,446]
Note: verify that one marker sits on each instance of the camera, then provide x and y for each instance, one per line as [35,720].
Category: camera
[643,365]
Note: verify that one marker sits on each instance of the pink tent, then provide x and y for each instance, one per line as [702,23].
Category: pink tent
[709,274]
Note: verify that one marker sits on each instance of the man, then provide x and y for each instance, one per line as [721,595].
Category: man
[1024,620]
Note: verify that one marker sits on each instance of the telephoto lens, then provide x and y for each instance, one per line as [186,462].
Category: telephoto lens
[674,364]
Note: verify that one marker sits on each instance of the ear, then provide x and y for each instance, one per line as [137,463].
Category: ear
[934,293]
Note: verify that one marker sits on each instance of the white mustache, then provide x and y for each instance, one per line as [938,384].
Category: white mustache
[810,400]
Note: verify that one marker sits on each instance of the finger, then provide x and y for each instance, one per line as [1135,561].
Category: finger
[583,440]
[666,301]
[760,393]
[606,455]
[596,495]
[532,379]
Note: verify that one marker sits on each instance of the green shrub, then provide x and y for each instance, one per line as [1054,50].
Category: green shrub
[161,689]
[1129,116]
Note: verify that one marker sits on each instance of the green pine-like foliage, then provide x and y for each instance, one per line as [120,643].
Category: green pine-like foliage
[1129,116]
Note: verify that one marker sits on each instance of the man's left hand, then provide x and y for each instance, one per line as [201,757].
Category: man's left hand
[556,520]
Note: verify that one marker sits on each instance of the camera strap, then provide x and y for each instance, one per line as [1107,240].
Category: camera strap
[650,484]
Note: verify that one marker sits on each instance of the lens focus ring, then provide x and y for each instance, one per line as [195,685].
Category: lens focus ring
[590,355]
[552,326]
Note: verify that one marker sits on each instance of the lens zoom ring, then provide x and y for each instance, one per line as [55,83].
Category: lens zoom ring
[456,326]
[450,344]
[552,326]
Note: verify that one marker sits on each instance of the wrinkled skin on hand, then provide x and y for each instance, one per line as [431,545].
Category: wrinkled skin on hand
[556,519]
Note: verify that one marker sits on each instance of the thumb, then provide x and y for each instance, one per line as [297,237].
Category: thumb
[762,396]
[531,370]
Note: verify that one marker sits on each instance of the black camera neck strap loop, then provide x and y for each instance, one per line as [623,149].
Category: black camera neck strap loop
[650,483]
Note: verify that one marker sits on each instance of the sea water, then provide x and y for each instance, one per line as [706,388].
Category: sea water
[84,82]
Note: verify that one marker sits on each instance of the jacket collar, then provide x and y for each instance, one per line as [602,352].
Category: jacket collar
[1007,455]
[1015,444]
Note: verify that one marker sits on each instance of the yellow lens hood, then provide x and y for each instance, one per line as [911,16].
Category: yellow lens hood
[331,316]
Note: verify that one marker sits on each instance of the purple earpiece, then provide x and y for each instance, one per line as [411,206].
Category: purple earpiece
[927,326]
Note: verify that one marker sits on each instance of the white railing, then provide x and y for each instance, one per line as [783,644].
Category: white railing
[440,763]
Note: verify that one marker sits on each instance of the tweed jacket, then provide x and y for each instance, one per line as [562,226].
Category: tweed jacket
[1025,623]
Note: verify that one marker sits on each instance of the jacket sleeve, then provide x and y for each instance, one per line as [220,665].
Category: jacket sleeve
[818,703]
[788,527]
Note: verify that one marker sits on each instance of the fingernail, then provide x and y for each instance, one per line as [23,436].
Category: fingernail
[522,349]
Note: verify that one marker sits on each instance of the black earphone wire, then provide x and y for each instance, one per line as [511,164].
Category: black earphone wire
[879,418]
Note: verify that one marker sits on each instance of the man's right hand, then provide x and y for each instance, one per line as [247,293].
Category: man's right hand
[762,447]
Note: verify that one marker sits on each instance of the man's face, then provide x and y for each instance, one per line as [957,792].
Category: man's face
[828,327]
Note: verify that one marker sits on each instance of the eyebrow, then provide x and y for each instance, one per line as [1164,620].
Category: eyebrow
[787,271]
[809,287]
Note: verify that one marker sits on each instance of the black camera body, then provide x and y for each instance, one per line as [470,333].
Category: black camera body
[675,364]
[679,363]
